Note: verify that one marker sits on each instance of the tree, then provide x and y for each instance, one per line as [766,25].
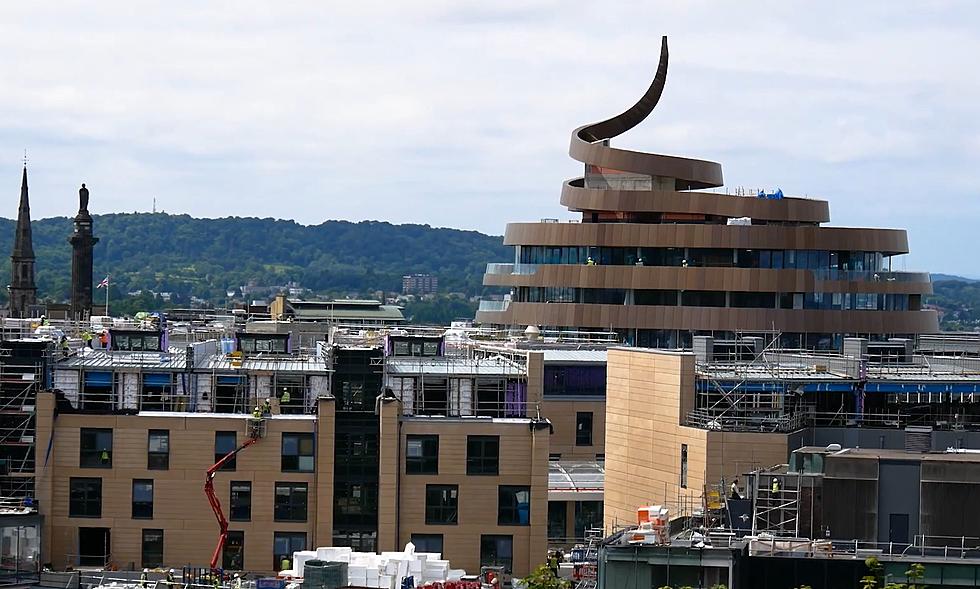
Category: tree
[544,578]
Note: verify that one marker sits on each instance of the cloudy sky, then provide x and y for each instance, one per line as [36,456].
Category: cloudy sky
[458,114]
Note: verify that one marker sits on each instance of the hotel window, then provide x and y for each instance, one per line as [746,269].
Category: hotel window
[152,550]
[241,501]
[588,514]
[441,505]
[284,544]
[290,502]
[427,542]
[683,466]
[158,449]
[297,452]
[225,442]
[422,454]
[583,428]
[233,555]
[85,497]
[95,448]
[142,499]
[557,519]
[513,505]
[482,455]
[497,551]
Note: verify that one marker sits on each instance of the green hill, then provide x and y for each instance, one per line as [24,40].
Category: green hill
[205,257]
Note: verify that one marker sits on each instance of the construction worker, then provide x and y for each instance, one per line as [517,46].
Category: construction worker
[256,413]
[104,456]
[237,583]
[143,577]
[87,338]
[267,407]
[735,493]
[284,399]
[170,578]
[104,339]
[775,485]
[284,564]
[216,580]
[590,262]
[64,345]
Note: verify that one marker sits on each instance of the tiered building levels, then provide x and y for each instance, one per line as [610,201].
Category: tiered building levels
[658,259]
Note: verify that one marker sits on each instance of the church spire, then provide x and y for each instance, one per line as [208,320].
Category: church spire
[23,292]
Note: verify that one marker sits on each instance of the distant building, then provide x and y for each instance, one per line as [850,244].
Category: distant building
[420,284]
[345,311]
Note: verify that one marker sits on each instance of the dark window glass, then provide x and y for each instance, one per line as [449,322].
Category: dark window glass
[297,452]
[663,298]
[702,298]
[583,428]
[588,514]
[513,505]
[241,501]
[482,455]
[152,552]
[158,449]
[85,497]
[142,499]
[427,542]
[422,454]
[290,502]
[233,554]
[441,504]
[225,442]
[753,300]
[683,466]
[569,380]
[284,544]
[95,448]
[557,519]
[497,551]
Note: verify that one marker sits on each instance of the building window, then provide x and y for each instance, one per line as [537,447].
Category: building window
[85,497]
[241,501]
[152,552]
[233,555]
[557,519]
[422,455]
[583,428]
[284,544]
[441,504]
[513,505]
[482,455]
[588,514]
[142,499]
[427,542]
[225,442]
[683,466]
[297,452]
[95,448]
[290,502]
[497,551]
[158,449]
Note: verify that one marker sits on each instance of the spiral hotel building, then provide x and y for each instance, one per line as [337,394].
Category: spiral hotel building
[658,258]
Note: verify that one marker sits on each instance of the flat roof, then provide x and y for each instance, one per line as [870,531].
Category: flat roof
[893,454]
[574,356]
[452,366]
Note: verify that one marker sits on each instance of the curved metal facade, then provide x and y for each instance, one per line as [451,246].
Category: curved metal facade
[655,255]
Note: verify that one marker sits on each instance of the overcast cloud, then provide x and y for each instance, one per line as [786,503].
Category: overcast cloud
[458,114]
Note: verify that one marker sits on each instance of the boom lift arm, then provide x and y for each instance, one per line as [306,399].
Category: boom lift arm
[213,499]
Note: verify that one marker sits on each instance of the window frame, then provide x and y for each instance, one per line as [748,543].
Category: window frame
[142,509]
[441,509]
[92,457]
[232,464]
[580,440]
[233,494]
[496,538]
[146,563]
[422,464]
[477,463]
[224,551]
[420,541]
[290,537]
[156,459]
[509,508]
[286,510]
[87,500]
[299,438]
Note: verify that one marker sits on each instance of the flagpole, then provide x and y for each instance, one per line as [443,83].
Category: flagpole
[107,296]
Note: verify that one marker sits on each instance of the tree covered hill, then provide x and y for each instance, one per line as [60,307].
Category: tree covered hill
[205,257]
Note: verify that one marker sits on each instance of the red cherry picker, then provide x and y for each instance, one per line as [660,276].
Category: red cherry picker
[256,431]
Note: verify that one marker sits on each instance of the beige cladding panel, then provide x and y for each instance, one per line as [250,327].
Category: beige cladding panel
[180,507]
[523,461]
[563,415]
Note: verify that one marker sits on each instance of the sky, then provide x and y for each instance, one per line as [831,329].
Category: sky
[458,114]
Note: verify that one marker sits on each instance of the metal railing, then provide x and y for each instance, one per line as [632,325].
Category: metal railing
[493,306]
[964,547]
[518,269]
[473,408]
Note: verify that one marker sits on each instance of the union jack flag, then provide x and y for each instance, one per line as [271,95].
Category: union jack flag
[104,283]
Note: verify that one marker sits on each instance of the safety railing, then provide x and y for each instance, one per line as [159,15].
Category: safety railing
[493,306]
[942,548]
[518,269]
[473,408]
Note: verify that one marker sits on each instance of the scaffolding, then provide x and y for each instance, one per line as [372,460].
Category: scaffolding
[775,495]
[22,375]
